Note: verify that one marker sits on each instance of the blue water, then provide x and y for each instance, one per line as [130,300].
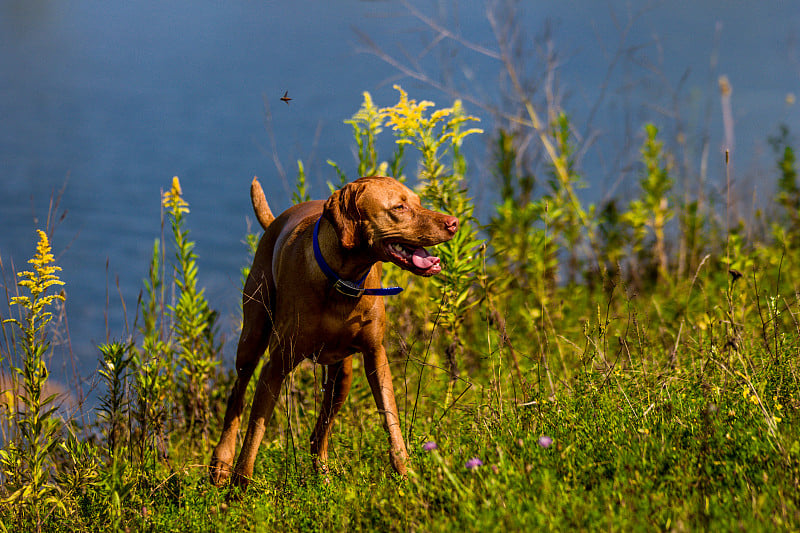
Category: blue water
[114,98]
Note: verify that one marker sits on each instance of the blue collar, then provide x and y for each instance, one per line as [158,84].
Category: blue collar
[348,288]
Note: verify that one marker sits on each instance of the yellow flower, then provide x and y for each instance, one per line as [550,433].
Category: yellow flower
[440,114]
[749,395]
[44,274]
[173,199]
[37,282]
[434,135]
[368,115]
[406,115]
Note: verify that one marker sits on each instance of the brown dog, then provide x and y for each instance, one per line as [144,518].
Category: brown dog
[295,307]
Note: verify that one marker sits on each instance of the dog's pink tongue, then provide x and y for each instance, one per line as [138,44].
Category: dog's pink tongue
[422,259]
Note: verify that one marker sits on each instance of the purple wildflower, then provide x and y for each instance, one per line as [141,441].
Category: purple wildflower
[545,441]
[473,463]
[429,446]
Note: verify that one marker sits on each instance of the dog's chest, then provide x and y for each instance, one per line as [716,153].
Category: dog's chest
[342,331]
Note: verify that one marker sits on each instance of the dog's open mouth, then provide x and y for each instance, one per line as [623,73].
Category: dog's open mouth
[413,258]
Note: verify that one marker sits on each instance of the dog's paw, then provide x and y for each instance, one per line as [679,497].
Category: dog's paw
[399,458]
[322,470]
[219,471]
[239,481]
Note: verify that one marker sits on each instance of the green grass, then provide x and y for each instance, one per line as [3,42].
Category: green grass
[629,451]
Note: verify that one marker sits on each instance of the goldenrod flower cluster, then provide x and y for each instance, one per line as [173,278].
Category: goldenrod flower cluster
[407,118]
[37,282]
[173,199]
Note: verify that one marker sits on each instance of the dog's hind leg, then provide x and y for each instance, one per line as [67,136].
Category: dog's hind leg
[282,361]
[339,377]
[256,329]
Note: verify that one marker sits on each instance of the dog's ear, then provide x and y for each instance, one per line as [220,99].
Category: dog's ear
[341,210]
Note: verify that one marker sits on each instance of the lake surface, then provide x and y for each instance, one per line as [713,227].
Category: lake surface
[112,98]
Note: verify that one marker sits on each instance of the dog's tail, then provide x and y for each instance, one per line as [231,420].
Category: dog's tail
[260,205]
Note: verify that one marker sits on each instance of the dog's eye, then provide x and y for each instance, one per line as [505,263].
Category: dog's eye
[400,207]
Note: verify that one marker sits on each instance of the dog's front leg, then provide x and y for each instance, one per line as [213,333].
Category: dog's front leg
[339,377]
[380,381]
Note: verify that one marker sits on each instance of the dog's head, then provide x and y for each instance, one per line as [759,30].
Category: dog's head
[383,216]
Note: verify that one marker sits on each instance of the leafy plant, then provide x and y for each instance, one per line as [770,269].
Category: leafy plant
[367,125]
[651,212]
[151,363]
[193,320]
[524,258]
[438,137]
[301,193]
[26,462]
[788,193]
[114,404]
[114,411]
[569,220]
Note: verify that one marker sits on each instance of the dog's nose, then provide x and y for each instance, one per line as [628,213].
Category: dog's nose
[451,224]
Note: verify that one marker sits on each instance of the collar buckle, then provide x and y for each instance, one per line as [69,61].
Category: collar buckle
[348,288]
